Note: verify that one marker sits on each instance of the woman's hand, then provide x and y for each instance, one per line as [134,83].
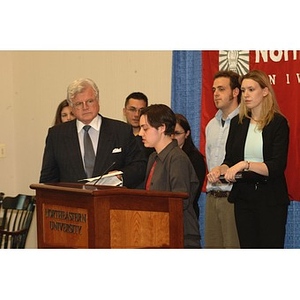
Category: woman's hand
[231,172]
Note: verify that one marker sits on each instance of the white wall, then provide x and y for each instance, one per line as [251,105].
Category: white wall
[32,84]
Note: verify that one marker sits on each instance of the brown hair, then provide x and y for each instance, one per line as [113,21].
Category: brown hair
[160,114]
[269,105]
[60,107]
[235,80]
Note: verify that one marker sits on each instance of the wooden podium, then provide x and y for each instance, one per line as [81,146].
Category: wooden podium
[85,216]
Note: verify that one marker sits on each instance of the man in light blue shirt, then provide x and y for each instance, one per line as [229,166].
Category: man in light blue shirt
[220,228]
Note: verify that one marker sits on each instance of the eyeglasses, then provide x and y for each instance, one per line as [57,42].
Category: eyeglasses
[133,110]
[79,105]
[178,133]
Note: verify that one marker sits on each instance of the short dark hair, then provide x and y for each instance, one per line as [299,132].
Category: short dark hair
[235,80]
[138,96]
[159,115]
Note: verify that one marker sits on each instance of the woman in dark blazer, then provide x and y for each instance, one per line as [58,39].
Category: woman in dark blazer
[258,141]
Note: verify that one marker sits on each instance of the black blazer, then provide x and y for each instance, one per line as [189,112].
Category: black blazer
[62,161]
[275,152]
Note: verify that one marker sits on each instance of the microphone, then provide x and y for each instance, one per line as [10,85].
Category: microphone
[103,173]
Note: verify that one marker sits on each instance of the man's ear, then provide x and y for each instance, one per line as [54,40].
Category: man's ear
[162,128]
[235,92]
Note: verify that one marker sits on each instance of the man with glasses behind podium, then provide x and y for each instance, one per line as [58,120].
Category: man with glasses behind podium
[134,103]
[133,106]
[111,143]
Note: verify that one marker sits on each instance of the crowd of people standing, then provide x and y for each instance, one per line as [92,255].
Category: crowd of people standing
[155,151]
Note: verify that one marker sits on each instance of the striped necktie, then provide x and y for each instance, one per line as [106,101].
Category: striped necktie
[89,154]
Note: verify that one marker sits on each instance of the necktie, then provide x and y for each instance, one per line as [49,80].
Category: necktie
[89,154]
[150,176]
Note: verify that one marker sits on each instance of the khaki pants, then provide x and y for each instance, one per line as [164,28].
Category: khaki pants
[220,229]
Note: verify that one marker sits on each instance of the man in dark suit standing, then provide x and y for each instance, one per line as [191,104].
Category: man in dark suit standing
[113,143]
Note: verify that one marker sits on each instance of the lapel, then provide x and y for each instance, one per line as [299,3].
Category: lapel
[104,147]
[73,149]
[244,132]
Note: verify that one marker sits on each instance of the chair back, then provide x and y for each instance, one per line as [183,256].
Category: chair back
[15,220]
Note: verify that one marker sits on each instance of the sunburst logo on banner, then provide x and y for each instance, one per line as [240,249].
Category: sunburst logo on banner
[234,60]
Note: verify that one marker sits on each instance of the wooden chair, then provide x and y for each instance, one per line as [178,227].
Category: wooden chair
[15,219]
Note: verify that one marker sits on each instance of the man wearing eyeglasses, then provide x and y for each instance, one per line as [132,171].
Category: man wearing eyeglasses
[111,143]
[134,103]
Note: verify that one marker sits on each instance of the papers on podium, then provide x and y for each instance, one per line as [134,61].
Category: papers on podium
[111,179]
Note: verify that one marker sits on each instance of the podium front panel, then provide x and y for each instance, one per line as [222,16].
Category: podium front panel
[139,229]
[65,225]
[76,216]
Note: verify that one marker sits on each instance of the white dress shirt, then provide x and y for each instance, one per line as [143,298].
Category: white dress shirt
[216,137]
[93,132]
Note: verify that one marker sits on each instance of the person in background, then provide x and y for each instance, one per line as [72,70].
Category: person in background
[63,113]
[132,109]
[257,142]
[169,168]
[220,228]
[185,142]
[134,103]
[94,143]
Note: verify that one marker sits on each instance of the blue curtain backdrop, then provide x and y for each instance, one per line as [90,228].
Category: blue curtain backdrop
[186,99]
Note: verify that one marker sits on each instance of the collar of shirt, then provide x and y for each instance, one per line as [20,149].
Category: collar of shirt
[96,123]
[163,154]
[219,114]
[94,133]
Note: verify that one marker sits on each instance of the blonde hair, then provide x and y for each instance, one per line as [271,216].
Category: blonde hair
[269,104]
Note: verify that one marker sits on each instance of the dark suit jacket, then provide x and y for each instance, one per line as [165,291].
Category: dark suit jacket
[62,161]
[275,150]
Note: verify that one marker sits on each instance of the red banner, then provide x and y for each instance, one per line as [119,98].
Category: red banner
[283,69]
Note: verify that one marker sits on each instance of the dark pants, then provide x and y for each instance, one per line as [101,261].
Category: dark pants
[260,225]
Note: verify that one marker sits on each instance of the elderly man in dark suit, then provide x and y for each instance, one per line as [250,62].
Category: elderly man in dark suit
[112,143]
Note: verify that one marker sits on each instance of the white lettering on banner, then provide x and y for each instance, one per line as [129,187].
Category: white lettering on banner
[272,79]
[275,56]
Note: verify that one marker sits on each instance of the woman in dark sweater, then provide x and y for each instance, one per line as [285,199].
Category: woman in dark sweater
[185,141]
